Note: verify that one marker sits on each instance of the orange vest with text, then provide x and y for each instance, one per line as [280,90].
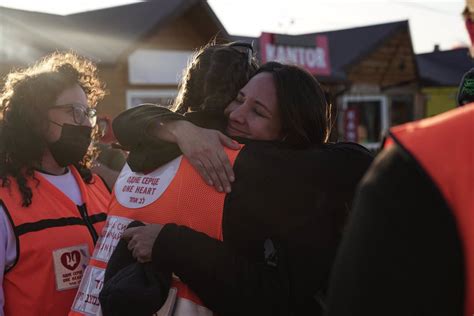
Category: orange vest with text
[54,240]
[444,147]
[173,193]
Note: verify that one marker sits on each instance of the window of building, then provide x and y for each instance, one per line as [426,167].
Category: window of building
[364,120]
[158,96]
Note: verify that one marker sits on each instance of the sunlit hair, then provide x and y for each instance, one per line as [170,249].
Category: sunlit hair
[214,75]
[304,110]
[24,102]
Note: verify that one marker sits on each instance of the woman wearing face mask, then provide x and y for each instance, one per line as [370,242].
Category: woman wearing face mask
[281,222]
[52,206]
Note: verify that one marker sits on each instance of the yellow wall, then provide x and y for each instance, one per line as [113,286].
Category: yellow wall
[439,99]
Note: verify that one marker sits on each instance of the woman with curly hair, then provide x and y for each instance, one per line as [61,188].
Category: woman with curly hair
[52,206]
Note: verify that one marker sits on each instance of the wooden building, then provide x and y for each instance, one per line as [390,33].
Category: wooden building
[141,48]
[370,71]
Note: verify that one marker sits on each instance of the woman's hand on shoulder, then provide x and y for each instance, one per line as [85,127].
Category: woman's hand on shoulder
[204,148]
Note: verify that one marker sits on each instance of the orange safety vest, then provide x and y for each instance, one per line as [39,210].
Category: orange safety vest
[54,238]
[444,147]
[173,193]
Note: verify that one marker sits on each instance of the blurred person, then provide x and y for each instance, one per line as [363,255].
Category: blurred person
[466,89]
[409,246]
[51,204]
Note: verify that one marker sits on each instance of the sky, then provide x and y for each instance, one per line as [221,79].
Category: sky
[431,21]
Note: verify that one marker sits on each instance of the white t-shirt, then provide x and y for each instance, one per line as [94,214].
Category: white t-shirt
[67,184]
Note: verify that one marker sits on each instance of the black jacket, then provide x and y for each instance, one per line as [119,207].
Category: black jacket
[281,223]
[401,254]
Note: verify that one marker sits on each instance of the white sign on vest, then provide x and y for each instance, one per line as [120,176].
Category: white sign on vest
[136,190]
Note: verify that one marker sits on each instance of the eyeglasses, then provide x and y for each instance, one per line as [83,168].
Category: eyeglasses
[244,48]
[79,112]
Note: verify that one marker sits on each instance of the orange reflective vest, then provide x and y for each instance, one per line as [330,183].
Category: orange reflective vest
[444,147]
[54,239]
[173,193]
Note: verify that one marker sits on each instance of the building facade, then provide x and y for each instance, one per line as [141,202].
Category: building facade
[141,49]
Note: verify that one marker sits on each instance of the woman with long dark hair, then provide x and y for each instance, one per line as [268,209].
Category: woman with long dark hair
[284,216]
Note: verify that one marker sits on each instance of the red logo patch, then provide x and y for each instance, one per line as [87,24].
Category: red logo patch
[71,260]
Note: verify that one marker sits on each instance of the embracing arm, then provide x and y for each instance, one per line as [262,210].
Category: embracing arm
[227,283]
[155,135]
[133,126]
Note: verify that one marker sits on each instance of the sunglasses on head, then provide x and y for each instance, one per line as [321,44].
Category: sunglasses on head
[244,48]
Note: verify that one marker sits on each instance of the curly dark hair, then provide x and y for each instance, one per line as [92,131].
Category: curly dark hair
[214,76]
[24,101]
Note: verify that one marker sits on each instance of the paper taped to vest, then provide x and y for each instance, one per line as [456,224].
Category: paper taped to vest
[69,264]
[135,190]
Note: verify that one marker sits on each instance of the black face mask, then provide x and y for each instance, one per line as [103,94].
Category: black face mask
[71,147]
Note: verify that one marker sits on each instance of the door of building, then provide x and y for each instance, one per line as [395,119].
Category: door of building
[365,119]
